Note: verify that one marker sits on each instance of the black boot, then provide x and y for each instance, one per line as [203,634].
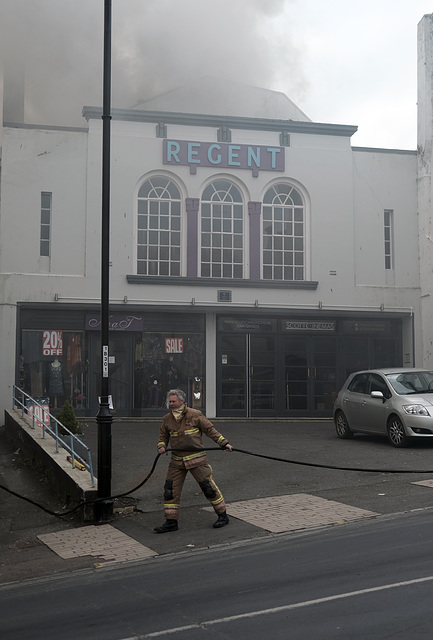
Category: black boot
[169,525]
[222,520]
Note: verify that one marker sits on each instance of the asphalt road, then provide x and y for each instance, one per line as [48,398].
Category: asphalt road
[306,444]
[371,579]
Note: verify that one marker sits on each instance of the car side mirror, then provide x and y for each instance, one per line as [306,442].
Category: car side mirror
[378,394]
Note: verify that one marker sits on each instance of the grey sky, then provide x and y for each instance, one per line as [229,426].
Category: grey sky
[344,61]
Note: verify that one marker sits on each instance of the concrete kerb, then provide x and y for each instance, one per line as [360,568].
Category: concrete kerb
[72,485]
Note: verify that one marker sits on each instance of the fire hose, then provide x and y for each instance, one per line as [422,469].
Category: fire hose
[60,514]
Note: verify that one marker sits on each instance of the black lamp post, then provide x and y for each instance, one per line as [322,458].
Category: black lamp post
[104,419]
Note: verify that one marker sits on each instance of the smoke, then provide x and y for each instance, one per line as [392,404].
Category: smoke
[56,48]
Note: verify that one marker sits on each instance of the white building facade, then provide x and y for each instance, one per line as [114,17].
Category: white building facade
[255,261]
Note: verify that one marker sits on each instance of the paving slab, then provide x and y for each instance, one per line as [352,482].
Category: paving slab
[103,541]
[294,512]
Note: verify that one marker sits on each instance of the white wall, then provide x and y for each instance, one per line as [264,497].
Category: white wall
[35,161]
[345,192]
[425,141]
[385,181]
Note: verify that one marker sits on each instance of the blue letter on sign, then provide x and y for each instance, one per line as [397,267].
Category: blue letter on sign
[173,151]
[193,152]
[212,160]
[233,149]
[254,156]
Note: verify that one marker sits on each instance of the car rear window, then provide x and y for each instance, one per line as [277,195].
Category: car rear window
[359,383]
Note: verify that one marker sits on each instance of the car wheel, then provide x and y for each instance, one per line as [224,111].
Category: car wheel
[342,426]
[396,433]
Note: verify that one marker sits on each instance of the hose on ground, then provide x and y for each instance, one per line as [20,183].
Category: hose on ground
[60,514]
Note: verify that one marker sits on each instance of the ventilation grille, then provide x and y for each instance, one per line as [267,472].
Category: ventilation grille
[224,134]
[224,295]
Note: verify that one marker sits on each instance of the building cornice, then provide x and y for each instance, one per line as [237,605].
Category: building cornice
[43,127]
[407,152]
[234,122]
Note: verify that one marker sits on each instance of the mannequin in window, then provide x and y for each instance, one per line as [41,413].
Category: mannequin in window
[55,383]
[154,397]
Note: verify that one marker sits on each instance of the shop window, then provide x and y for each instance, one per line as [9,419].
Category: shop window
[45,231]
[53,364]
[222,231]
[167,360]
[283,234]
[159,228]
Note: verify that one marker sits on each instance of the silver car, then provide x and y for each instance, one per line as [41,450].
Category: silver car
[397,403]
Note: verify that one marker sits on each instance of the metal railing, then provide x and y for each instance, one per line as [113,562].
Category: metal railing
[38,415]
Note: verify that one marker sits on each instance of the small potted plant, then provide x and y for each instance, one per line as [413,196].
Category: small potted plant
[68,419]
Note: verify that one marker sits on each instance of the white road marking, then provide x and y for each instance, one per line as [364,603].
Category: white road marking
[287,607]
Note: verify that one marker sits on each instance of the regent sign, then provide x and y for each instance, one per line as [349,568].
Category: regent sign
[216,154]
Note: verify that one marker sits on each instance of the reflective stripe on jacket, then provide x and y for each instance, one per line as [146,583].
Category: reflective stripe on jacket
[186,436]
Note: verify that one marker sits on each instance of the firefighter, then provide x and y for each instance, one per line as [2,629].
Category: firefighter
[182,428]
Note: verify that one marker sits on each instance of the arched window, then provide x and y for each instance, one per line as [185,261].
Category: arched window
[222,231]
[283,234]
[158,237]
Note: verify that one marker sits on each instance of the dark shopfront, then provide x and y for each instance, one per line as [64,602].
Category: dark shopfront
[59,357]
[266,365]
[295,366]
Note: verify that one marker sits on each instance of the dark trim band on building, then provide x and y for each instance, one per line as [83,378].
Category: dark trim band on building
[223,282]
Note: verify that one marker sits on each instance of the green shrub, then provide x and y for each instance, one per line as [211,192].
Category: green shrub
[67,417]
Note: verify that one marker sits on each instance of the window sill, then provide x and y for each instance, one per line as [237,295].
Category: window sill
[222,282]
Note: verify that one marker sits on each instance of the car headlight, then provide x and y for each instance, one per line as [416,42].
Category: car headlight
[416,410]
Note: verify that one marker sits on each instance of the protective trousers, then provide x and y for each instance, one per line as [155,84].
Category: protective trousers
[176,475]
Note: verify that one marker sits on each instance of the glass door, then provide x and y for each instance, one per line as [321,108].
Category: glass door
[262,379]
[310,374]
[296,373]
[268,375]
[232,366]
[323,373]
[247,375]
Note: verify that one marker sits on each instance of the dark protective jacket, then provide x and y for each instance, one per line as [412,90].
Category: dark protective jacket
[187,434]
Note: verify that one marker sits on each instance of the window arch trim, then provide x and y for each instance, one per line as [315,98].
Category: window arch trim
[159,219]
[223,242]
[285,232]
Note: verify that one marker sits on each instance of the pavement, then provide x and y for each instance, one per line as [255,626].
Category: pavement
[300,491]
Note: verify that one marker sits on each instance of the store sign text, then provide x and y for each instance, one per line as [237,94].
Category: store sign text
[116,322]
[309,326]
[52,343]
[173,345]
[212,154]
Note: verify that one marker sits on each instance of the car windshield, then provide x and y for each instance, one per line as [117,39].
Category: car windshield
[411,382]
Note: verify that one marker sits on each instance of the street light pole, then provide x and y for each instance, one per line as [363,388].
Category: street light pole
[104,419]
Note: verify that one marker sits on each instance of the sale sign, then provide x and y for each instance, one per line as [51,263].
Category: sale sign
[173,345]
[52,343]
[40,411]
